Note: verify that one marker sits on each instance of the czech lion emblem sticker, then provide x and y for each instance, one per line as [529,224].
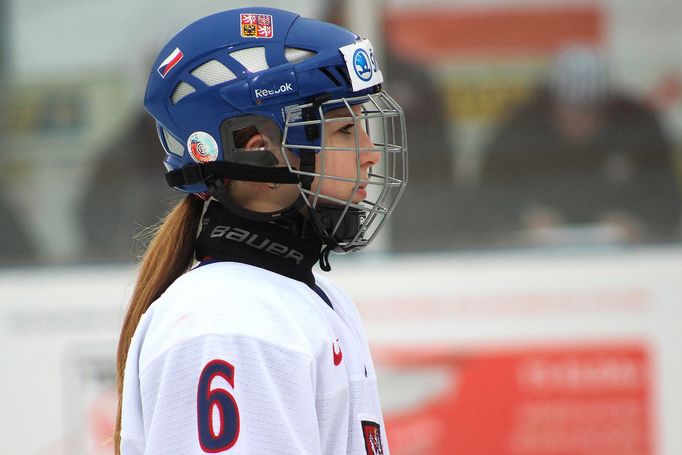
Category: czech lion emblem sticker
[256,25]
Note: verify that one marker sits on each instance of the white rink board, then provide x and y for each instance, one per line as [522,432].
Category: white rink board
[58,326]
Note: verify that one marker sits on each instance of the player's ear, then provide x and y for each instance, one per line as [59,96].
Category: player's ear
[257,141]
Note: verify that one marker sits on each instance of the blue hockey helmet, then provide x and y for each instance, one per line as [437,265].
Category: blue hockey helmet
[266,68]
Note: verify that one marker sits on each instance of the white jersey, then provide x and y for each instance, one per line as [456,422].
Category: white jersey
[237,359]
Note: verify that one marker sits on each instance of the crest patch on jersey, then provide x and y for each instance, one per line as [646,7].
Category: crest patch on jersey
[371,431]
[256,25]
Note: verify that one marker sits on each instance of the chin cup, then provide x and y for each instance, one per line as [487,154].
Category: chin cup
[335,224]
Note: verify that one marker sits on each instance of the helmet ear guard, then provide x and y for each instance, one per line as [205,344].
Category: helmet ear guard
[236,131]
[238,163]
[265,164]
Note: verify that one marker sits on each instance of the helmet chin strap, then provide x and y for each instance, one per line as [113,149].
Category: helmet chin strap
[218,190]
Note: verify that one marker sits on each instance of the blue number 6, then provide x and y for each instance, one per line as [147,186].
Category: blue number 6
[212,439]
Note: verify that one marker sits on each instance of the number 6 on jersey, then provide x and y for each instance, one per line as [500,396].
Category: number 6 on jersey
[217,412]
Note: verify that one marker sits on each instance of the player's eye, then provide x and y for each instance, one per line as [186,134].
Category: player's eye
[347,129]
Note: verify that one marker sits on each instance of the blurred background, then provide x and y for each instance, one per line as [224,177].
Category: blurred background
[523,299]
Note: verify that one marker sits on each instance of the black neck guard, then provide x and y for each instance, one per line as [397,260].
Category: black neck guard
[272,246]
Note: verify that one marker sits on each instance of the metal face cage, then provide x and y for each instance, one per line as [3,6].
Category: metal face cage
[363,172]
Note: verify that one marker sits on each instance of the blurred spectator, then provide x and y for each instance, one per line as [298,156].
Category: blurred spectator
[580,153]
[15,245]
[430,159]
[126,194]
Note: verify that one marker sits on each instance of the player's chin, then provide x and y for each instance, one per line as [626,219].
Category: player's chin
[359,195]
[347,194]
[342,200]
[355,197]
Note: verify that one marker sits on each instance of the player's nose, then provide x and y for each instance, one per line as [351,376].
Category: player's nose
[369,154]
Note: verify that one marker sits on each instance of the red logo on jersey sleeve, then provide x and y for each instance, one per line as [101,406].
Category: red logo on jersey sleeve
[372,434]
[338,355]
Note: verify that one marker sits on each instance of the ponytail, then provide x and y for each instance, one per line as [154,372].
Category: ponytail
[169,255]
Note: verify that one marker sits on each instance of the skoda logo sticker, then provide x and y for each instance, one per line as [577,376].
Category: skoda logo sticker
[362,65]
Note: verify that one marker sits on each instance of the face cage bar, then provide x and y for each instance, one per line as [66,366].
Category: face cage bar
[384,190]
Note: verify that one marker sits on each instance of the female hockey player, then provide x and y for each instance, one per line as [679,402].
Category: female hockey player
[278,129]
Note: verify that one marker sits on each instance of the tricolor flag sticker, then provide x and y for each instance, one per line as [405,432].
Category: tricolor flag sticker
[170,62]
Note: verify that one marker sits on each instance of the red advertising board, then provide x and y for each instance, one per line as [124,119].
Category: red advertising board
[549,401]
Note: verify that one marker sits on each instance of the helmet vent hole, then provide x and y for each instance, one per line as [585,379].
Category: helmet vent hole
[342,71]
[296,55]
[253,59]
[331,77]
[213,73]
[174,146]
[181,90]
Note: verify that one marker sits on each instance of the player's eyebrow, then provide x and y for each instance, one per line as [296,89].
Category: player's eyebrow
[338,113]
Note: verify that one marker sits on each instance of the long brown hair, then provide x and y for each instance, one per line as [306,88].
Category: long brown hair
[169,254]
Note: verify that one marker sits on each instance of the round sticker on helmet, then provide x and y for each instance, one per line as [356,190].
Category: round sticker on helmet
[202,147]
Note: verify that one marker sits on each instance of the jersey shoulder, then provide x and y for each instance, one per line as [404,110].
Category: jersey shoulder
[238,300]
[340,299]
